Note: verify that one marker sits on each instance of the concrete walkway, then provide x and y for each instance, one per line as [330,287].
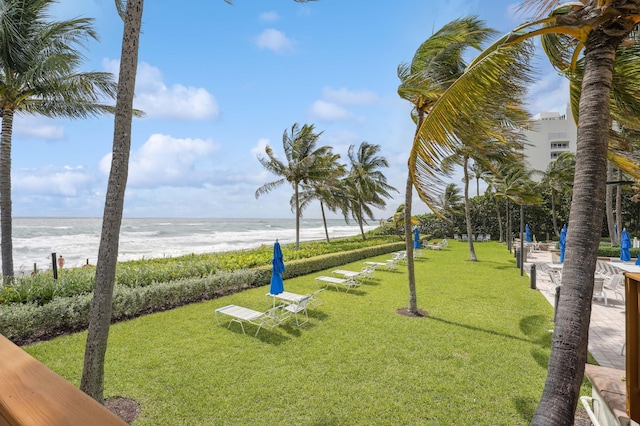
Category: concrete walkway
[607,327]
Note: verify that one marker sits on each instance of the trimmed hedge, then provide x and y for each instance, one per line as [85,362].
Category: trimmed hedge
[27,322]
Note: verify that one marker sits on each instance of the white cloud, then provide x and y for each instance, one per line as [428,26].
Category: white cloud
[332,105]
[40,132]
[345,96]
[270,16]
[323,110]
[166,161]
[175,102]
[275,41]
[66,181]
[259,148]
[549,93]
[37,127]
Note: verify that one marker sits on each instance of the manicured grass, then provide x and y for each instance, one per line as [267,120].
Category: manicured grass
[478,358]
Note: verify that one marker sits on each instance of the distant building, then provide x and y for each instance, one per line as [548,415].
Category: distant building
[552,134]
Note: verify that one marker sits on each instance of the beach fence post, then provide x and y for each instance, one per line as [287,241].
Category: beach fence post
[55,266]
[35,268]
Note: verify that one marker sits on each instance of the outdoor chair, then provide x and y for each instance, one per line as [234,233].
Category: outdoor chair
[368,271]
[391,264]
[345,273]
[300,307]
[435,246]
[598,289]
[269,319]
[616,284]
[456,237]
[464,237]
[349,283]
[314,300]
[487,237]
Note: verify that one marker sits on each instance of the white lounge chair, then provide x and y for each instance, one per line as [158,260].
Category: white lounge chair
[347,274]
[616,284]
[349,283]
[269,319]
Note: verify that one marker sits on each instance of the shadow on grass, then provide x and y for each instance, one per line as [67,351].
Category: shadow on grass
[491,332]
[319,315]
[265,335]
[525,406]
[537,327]
[351,291]
[372,281]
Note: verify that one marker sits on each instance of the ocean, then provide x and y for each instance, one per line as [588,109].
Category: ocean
[77,239]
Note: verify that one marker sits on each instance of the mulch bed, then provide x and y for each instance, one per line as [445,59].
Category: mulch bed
[125,408]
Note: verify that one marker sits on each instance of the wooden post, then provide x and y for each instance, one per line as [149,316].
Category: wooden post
[632,299]
[54,266]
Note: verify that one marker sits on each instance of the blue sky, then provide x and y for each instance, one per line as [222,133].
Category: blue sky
[219,82]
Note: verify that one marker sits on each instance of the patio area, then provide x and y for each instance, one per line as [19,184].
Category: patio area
[607,328]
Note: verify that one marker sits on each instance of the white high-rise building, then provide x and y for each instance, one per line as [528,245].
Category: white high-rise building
[552,133]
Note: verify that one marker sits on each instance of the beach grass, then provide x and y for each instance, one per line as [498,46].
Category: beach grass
[479,357]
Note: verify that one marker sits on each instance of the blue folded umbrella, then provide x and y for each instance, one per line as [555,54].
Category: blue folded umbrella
[625,245]
[277,285]
[563,242]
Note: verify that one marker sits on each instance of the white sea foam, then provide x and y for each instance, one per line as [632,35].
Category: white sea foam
[77,239]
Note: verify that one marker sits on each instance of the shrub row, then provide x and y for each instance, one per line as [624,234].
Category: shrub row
[24,322]
[27,322]
[42,288]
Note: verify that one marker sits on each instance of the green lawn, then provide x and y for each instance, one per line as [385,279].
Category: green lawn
[478,358]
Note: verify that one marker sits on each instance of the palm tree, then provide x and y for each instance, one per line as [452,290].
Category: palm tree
[559,176]
[587,41]
[92,381]
[399,217]
[451,202]
[38,75]
[327,190]
[304,164]
[514,185]
[478,172]
[436,64]
[487,152]
[365,185]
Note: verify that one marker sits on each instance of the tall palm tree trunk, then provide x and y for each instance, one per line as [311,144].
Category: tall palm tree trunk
[360,220]
[6,213]
[92,382]
[297,193]
[611,223]
[413,299]
[507,231]
[324,221]
[467,211]
[619,206]
[571,334]
[554,214]
[499,221]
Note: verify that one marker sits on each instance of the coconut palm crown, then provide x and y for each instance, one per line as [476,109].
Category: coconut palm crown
[39,61]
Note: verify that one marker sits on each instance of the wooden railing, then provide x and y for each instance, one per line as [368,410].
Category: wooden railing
[31,394]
